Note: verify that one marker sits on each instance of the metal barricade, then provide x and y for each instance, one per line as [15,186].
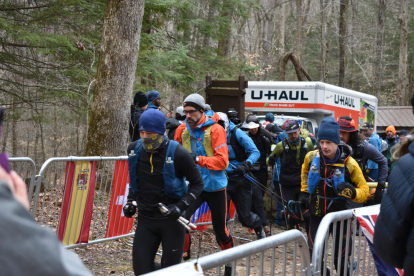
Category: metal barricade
[326,255]
[81,198]
[26,168]
[276,255]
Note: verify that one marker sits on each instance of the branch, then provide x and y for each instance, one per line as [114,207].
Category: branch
[26,8]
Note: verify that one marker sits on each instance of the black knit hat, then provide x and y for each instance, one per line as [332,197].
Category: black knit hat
[140,99]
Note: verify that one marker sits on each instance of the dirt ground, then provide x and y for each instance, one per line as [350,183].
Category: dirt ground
[115,257]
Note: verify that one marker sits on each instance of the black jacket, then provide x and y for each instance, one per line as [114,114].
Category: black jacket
[151,180]
[262,139]
[172,125]
[136,113]
[394,229]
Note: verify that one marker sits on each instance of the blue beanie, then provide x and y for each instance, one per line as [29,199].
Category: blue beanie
[153,95]
[403,132]
[270,117]
[152,120]
[329,130]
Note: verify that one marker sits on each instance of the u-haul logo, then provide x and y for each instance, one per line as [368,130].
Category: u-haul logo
[342,100]
[276,95]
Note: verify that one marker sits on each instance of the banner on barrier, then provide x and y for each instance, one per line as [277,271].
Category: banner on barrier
[367,217]
[203,214]
[77,202]
[117,223]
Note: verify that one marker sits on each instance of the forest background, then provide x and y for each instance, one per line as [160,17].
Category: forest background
[50,50]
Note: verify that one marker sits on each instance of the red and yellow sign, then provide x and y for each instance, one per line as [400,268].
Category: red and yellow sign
[78,202]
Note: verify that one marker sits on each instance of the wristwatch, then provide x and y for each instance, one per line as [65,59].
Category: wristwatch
[196,159]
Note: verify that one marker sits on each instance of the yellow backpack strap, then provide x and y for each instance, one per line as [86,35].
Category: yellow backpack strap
[208,147]
[186,140]
[311,156]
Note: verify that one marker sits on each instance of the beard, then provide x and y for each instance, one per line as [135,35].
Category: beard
[195,121]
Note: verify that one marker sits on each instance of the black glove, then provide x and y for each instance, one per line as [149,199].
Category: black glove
[130,207]
[379,192]
[243,168]
[346,190]
[304,200]
[173,213]
[272,160]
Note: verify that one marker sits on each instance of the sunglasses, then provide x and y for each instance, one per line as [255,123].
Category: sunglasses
[191,112]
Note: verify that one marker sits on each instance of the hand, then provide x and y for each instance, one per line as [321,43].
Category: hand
[379,192]
[346,190]
[169,115]
[16,186]
[130,208]
[173,212]
[243,168]
[304,200]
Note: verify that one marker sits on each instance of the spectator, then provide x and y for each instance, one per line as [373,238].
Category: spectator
[392,140]
[139,106]
[27,248]
[154,99]
[403,134]
[394,229]
[173,123]
[373,139]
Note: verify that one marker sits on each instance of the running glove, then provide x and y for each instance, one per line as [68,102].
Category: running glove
[346,190]
[173,212]
[130,208]
[379,192]
[304,200]
[243,168]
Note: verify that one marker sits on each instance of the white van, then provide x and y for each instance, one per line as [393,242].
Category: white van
[312,101]
[308,123]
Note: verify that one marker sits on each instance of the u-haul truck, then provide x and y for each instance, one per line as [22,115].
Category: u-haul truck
[313,100]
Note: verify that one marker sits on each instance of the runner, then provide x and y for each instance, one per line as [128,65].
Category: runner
[157,167]
[331,176]
[206,141]
[242,154]
[292,152]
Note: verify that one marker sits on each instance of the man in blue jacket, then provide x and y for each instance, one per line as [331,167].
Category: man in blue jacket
[373,139]
[242,154]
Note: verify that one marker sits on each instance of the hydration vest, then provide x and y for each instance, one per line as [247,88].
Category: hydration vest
[174,187]
[290,173]
[238,150]
[186,141]
[314,175]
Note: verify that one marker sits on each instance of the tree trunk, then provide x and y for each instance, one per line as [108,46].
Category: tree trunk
[379,50]
[412,78]
[223,48]
[343,14]
[299,19]
[108,128]
[323,41]
[402,84]
[282,28]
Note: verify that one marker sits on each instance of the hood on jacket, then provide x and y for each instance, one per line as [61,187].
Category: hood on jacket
[224,119]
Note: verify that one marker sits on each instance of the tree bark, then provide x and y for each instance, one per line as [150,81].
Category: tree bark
[282,28]
[299,20]
[379,50]
[343,14]
[323,41]
[108,128]
[402,84]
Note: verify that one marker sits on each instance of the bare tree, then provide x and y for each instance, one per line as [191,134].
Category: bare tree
[323,5]
[402,84]
[343,14]
[379,50]
[299,21]
[282,28]
[108,128]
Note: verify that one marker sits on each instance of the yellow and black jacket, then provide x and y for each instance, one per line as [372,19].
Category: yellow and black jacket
[324,198]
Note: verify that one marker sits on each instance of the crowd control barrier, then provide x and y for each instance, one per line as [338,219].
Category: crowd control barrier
[26,168]
[81,198]
[360,260]
[258,258]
